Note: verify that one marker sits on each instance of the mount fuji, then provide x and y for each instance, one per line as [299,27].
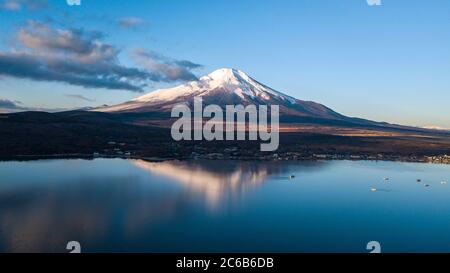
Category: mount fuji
[228,86]
[223,87]
[142,126]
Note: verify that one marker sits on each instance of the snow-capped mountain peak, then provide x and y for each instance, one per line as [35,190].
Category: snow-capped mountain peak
[224,86]
[230,80]
[226,76]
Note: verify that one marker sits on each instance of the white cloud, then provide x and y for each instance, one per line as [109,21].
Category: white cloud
[16,5]
[374,2]
[130,22]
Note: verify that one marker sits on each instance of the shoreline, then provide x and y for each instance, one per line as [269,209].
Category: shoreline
[442,159]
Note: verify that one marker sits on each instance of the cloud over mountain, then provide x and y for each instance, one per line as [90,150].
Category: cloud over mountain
[10,106]
[79,57]
[79,97]
[163,68]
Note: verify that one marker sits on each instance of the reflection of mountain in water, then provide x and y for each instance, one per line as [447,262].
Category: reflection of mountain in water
[116,208]
[214,179]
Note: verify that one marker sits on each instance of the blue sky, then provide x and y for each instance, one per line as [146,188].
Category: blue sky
[386,63]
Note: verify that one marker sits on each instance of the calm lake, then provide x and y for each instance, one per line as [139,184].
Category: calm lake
[116,205]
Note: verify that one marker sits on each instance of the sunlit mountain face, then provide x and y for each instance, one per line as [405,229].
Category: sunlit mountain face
[224,86]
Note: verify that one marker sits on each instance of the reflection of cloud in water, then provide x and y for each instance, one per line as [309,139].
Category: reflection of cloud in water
[214,179]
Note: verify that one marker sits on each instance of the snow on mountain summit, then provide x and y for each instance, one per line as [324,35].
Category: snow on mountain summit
[231,80]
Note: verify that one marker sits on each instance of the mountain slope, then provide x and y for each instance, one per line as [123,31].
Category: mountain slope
[231,87]
[224,87]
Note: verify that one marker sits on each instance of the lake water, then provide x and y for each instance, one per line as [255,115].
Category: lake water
[115,205]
